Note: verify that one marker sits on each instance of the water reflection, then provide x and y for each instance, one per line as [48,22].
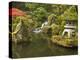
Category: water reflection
[38,47]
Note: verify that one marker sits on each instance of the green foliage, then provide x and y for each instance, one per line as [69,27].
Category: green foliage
[31,6]
[70,14]
[37,13]
[55,29]
[51,19]
[40,13]
[18,5]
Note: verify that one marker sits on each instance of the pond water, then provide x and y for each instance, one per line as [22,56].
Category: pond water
[39,47]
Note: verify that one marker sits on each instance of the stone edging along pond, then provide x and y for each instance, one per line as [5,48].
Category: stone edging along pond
[65,42]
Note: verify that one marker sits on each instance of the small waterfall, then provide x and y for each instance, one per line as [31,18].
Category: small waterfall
[38,30]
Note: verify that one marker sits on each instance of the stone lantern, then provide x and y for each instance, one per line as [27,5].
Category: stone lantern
[71,17]
[69,28]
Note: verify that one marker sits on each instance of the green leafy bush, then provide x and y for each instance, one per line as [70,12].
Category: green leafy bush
[55,29]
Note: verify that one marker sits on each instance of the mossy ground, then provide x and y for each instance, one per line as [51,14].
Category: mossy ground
[66,42]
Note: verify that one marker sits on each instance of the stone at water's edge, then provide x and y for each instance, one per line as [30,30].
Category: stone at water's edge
[65,42]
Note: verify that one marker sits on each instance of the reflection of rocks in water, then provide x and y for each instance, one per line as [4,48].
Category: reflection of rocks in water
[24,42]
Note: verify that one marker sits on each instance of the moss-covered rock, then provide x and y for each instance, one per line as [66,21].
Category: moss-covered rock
[66,42]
